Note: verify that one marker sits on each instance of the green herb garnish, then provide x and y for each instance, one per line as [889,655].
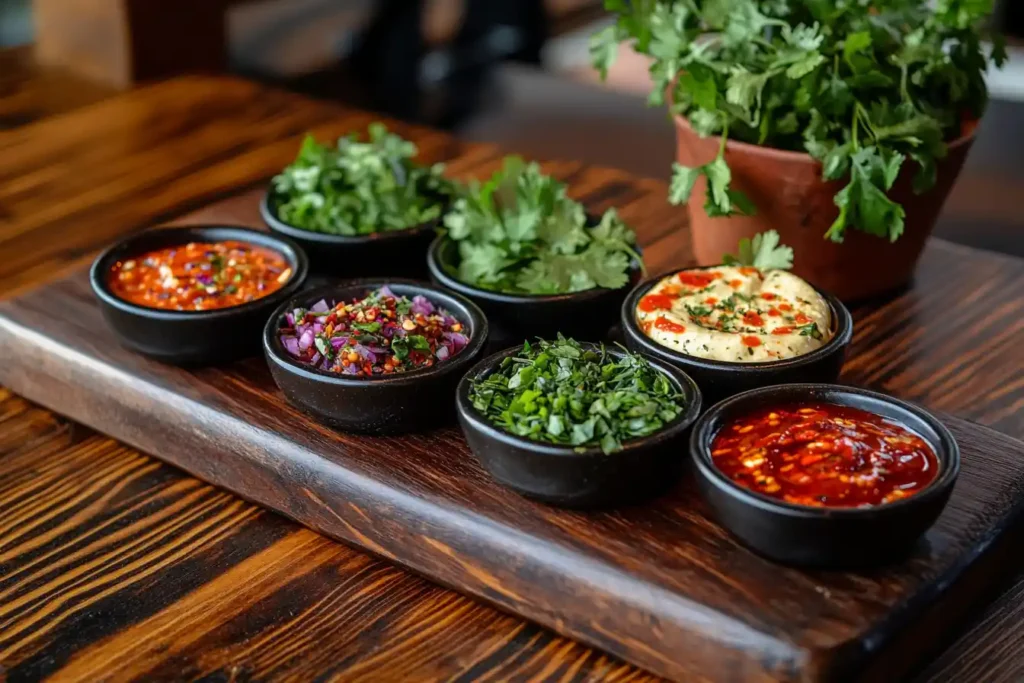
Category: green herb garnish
[562,393]
[811,330]
[863,87]
[359,188]
[763,252]
[519,232]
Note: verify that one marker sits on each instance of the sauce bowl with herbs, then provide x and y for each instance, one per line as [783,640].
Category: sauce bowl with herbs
[195,294]
[377,356]
[359,207]
[734,328]
[578,425]
[824,475]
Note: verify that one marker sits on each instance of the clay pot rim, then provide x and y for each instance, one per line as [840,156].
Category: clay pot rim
[786,154]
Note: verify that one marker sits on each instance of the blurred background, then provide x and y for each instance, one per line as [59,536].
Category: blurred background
[513,72]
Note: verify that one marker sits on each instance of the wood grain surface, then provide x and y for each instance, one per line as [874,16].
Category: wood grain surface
[430,641]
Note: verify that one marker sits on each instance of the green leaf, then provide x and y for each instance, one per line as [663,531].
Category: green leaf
[745,88]
[719,176]
[520,232]
[683,179]
[763,252]
[855,43]
[836,163]
[604,49]
[703,93]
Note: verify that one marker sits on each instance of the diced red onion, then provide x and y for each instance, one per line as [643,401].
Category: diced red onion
[320,307]
[305,340]
[290,318]
[386,291]
[442,352]
[421,305]
[365,353]
[457,339]
[318,328]
[338,342]
[316,358]
[291,345]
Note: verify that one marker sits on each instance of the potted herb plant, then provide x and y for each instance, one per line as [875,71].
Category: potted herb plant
[846,120]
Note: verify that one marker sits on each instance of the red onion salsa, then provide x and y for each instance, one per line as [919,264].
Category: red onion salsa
[381,334]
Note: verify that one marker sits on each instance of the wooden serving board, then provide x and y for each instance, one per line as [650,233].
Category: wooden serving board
[660,584]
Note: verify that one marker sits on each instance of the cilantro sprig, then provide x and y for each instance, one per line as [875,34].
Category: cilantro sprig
[359,188]
[863,87]
[519,232]
[563,393]
[763,252]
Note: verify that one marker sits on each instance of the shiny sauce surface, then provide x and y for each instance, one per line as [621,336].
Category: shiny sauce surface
[199,276]
[824,455]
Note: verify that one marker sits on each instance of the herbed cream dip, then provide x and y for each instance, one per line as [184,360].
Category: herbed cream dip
[735,313]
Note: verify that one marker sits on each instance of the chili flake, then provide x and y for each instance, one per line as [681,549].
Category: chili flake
[824,455]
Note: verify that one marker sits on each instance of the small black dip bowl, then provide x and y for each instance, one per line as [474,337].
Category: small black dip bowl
[192,337]
[824,537]
[516,317]
[721,379]
[384,404]
[399,253]
[560,475]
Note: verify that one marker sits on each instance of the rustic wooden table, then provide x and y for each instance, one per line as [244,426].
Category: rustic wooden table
[113,562]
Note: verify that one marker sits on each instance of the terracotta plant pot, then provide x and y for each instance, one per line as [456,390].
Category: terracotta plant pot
[792,198]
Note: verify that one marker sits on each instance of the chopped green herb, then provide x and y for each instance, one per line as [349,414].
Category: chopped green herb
[810,330]
[563,393]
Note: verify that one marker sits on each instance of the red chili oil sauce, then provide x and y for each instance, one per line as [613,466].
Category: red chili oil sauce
[199,276]
[824,455]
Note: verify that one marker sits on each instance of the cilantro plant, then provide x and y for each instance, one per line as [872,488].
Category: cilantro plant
[563,393]
[359,188]
[863,86]
[519,232]
[762,252]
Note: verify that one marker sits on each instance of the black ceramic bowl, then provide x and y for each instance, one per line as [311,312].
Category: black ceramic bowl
[192,337]
[559,475]
[824,537]
[398,253]
[386,404]
[514,317]
[721,379]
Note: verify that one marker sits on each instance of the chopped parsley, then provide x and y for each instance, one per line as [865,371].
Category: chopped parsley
[562,393]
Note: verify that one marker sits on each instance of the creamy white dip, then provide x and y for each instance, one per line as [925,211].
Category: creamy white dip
[736,314]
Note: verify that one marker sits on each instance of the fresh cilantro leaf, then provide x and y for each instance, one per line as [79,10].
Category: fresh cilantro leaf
[683,179]
[763,252]
[520,232]
[604,49]
[359,188]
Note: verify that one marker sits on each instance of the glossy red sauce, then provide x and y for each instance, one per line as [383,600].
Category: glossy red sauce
[698,279]
[199,276]
[824,455]
[663,323]
[656,302]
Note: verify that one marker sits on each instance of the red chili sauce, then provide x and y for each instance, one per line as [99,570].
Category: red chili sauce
[199,276]
[824,455]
